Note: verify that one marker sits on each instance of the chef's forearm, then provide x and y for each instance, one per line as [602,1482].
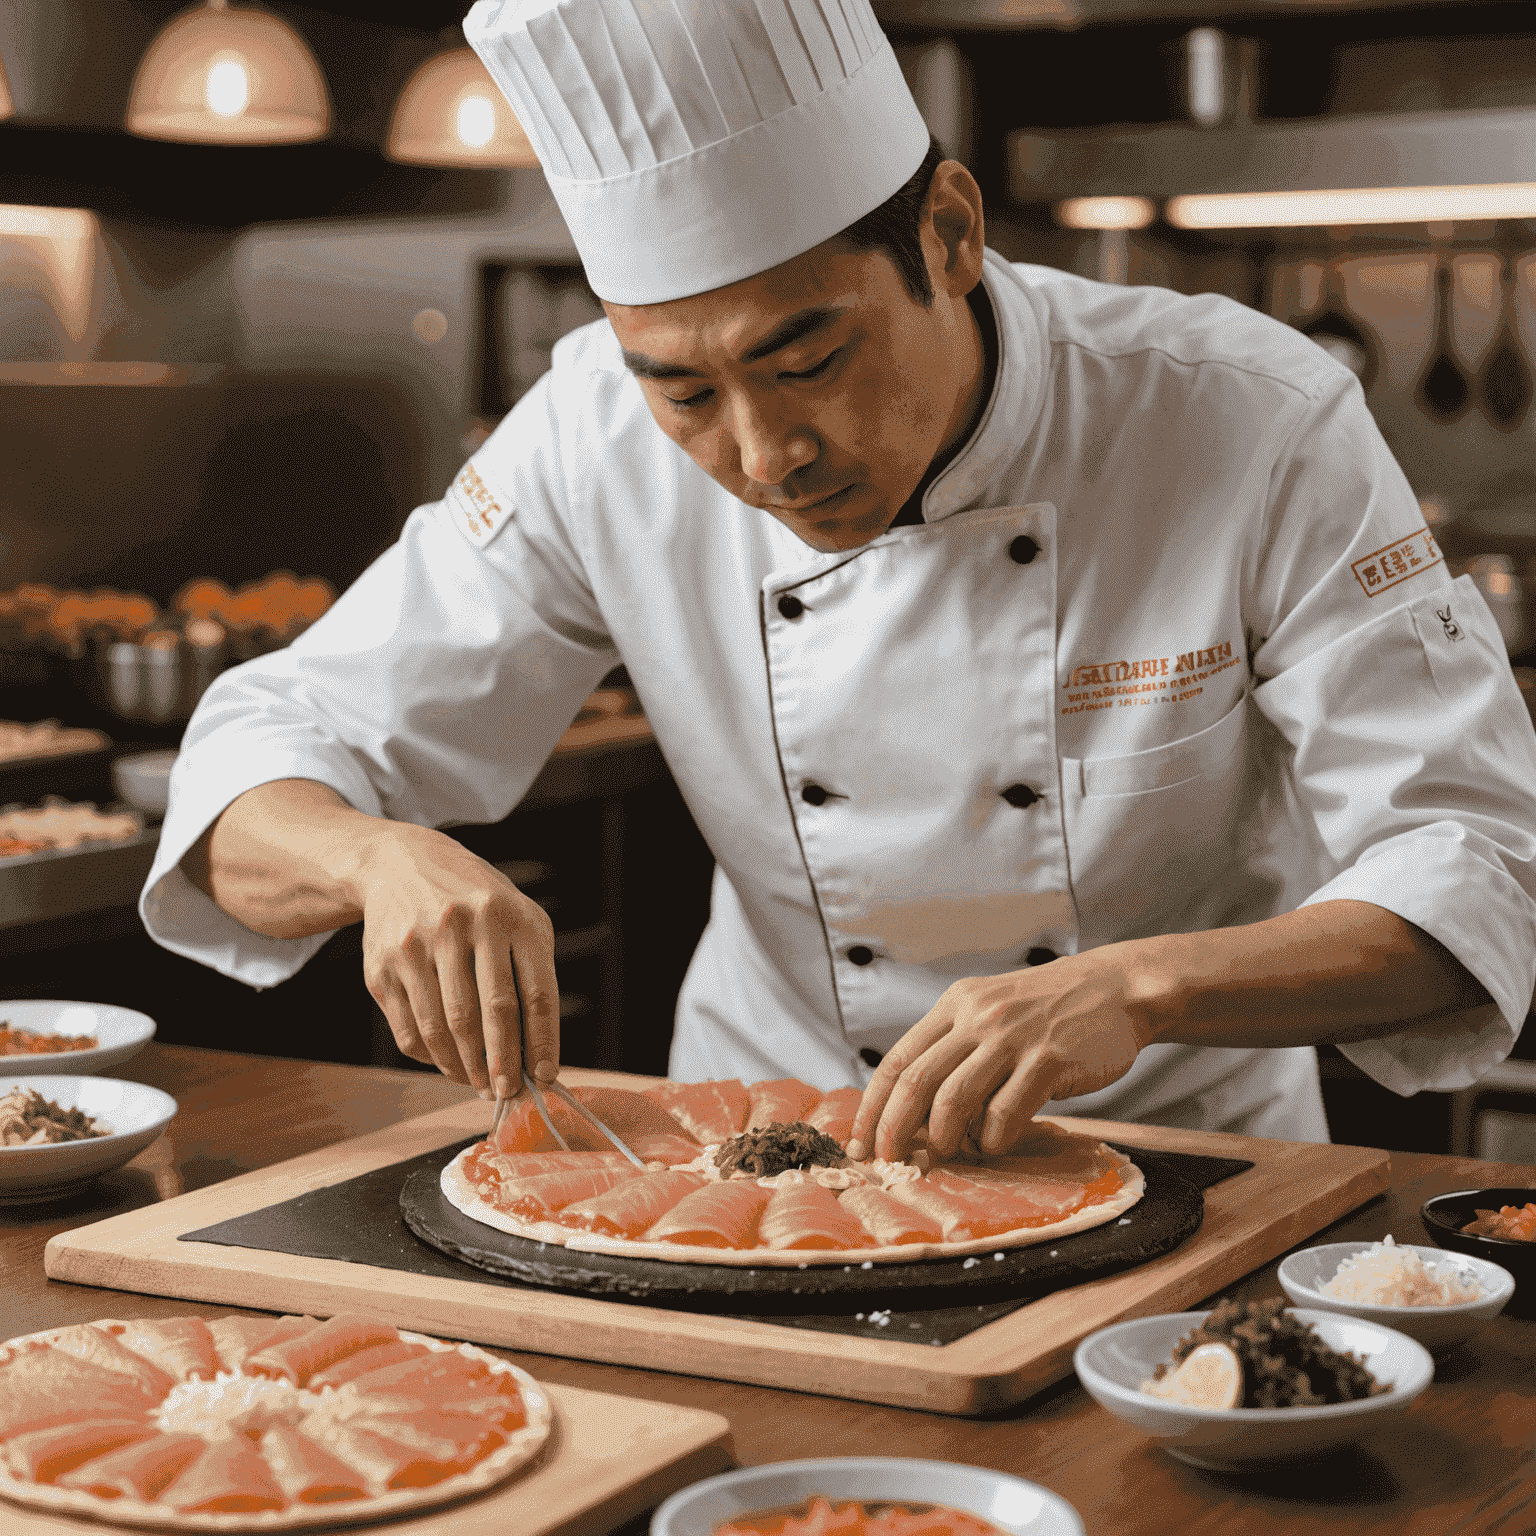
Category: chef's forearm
[1329,973]
[283,859]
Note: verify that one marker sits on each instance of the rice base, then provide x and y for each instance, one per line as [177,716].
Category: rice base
[1385,1275]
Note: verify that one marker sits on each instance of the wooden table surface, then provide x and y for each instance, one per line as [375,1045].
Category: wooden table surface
[1462,1460]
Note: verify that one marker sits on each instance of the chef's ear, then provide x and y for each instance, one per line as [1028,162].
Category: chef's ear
[954,230]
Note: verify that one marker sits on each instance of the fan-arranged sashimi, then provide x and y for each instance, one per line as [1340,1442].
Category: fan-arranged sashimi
[374,1358]
[137,1471]
[235,1337]
[41,1455]
[181,1346]
[305,1472]
[721,1215]
[631,1207]
[889,1223]
[834,1113]
[805,1215]
[337,1339]
[709,1112]
[543,1194]
[780,1100]
[227,1478]
[93,1346]
[41,1386]
[663,1147]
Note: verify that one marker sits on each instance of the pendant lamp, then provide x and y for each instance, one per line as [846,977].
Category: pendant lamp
[451,114]
[217,74]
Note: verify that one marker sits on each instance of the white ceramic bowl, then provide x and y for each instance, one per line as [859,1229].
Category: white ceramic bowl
[1013,1505]
[120,1033]
[1436,1328]
[1113,1363]
[136,1113]
[144,780]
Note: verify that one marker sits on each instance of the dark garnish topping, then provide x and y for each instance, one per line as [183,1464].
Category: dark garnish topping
[763,1153]
[1285,1364]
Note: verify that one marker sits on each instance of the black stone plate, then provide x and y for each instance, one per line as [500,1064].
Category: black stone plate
[1170,1211]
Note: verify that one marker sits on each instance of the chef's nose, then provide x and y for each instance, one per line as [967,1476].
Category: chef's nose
[771,449]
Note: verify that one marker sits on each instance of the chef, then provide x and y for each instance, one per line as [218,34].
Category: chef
[1078,709]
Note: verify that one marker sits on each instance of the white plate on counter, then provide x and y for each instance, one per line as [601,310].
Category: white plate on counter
[1013,1505]
[120,1033]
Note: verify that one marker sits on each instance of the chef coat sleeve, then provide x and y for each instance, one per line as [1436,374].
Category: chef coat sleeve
[1412,753]
[432,692]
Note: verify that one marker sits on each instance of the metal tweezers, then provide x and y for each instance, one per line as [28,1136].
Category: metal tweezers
[544,1115]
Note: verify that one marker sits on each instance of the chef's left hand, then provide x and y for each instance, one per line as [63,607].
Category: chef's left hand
[995,1048]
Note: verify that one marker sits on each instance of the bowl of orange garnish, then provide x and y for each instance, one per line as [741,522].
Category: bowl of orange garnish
[1497,1224]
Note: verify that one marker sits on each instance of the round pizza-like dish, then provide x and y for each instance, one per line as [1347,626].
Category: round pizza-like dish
[756,1176]
[257,1424]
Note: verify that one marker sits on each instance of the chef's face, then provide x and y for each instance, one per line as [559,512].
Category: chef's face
[821,391]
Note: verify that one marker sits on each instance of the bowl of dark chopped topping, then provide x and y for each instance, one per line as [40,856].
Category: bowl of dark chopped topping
[1252,1384]
[59,1133]
[46,1035]
[774,1149]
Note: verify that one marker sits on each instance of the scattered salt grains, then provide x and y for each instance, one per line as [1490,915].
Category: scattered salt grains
[867,1264]
[1385,1275]
[998,1257]
[970,1263]
[881,1319]
[1124,1221]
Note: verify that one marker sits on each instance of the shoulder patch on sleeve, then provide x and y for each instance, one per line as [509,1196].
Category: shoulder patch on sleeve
[1386,567]
[478,508]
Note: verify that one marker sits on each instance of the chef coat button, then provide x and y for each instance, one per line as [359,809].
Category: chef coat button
[861,954]
[1019,796]
[1041,956]
[791,607]
[870,1056]
[814,794]
[1023,549]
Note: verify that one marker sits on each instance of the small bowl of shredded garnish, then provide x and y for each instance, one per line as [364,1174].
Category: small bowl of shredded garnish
[57,1134]
[1440,1299]
[1252,1384]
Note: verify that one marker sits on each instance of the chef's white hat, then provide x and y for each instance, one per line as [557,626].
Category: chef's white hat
[692,143]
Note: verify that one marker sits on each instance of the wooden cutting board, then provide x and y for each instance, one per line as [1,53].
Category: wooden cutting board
[1294,1190]
[611,1459]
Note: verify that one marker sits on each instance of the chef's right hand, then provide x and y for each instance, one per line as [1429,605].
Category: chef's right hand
[461,962]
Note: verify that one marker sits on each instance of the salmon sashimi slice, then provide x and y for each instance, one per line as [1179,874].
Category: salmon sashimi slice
[503,1411]
[1019,1204]
[366,1360]
[956,1218]
[41,1386]
[325,1344]
[41,1455]
[305,1471]
[623,1111]
[965,1209]
[723,1215]
[804,1215]
[404,1454]
[633,1206]
[670,1148]
[181,1346]
[542,1195]
[229,1477]
[1048,1151]
[833,1114]
[524,1165]
[436,1376]
[235,1337]
[709,1112]
[96,1347]
[137,1471]
[888,1222]
[780,1100]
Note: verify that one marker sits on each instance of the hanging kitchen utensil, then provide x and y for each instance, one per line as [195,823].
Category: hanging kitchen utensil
[1339,333]
[1504,384]
[1443,392]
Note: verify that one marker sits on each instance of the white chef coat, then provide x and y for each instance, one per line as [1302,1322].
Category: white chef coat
[1174,586]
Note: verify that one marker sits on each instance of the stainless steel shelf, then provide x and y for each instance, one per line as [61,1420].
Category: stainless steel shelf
[1397,150]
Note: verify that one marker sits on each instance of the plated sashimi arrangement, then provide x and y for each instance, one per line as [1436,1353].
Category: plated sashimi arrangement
[756,1175]
[256,1423]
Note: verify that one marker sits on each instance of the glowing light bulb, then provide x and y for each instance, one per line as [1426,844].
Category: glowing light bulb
[228,91]
[476,121]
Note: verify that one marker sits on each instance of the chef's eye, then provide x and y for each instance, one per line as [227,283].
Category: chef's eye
[813,373]
[691,402]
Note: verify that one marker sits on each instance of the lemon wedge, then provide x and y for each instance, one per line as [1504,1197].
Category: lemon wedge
[1210,1377]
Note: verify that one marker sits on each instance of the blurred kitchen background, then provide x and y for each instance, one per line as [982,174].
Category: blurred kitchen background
[269,273]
